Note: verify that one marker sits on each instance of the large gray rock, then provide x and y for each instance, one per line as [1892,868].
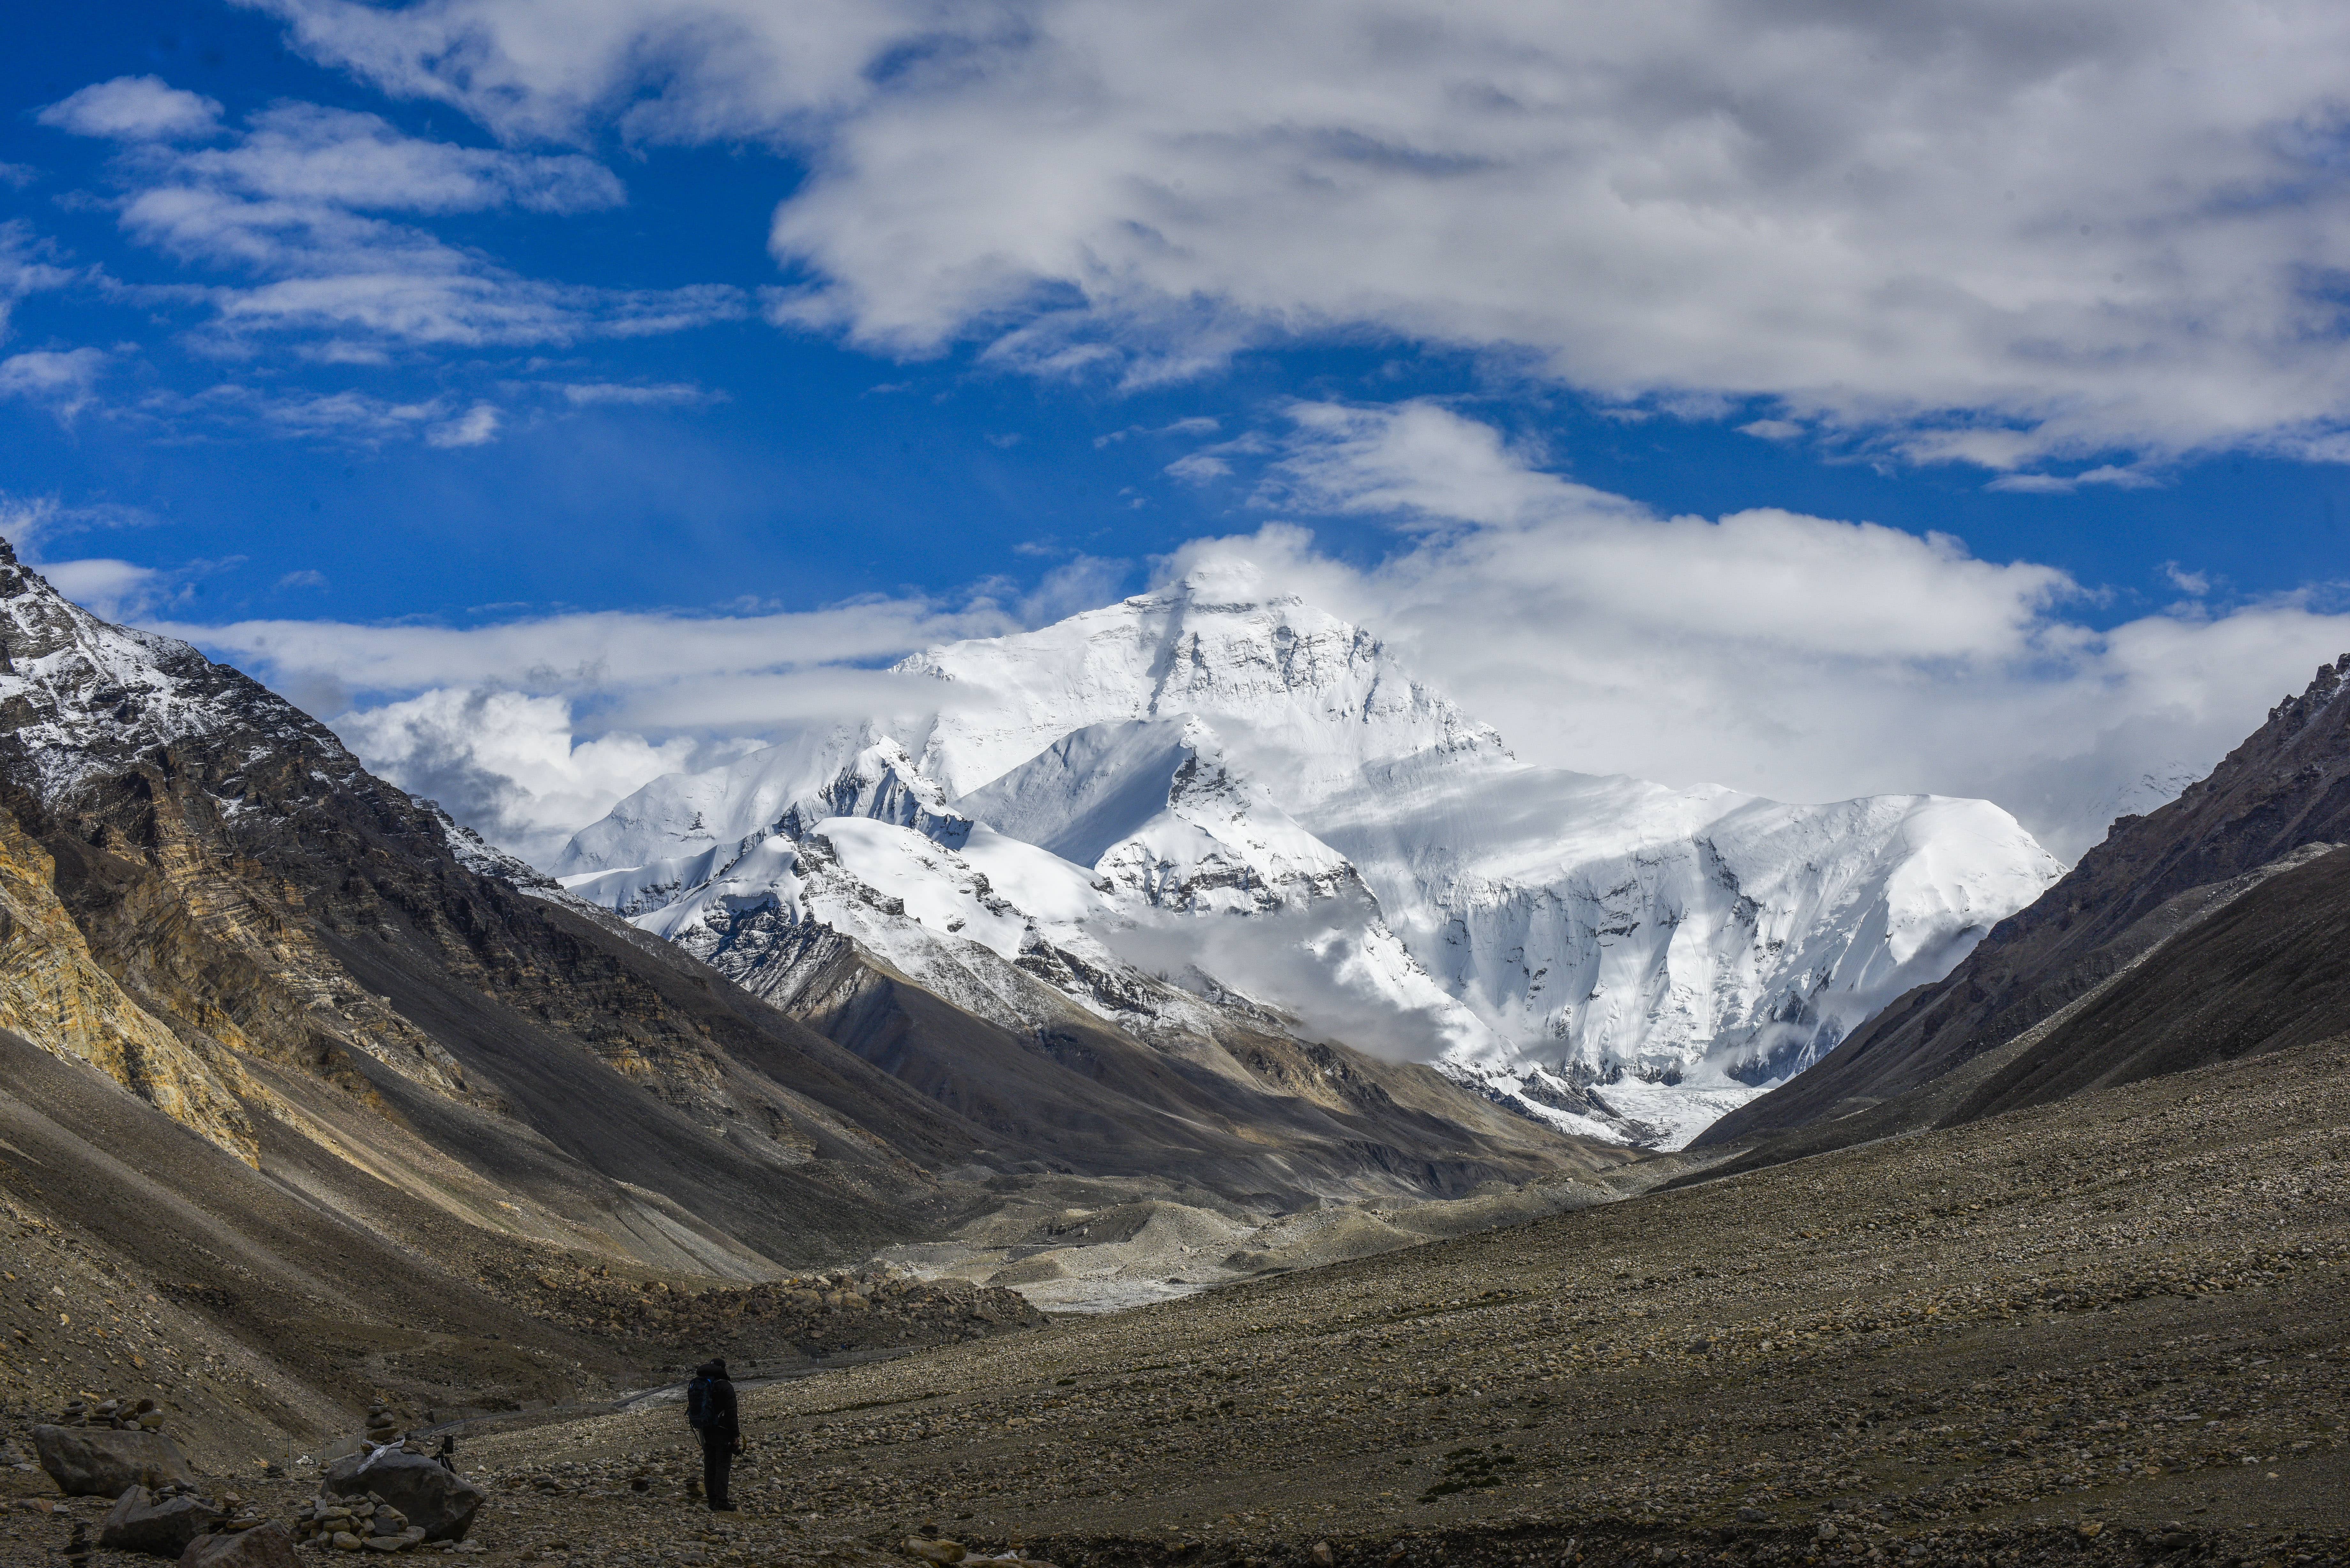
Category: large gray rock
[441,1500]
[98,1462]
[263,1546]
[140,1521]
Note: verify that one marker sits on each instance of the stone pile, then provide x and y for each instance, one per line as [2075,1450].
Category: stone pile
[115,1415]
[355,1524]
[389,1497]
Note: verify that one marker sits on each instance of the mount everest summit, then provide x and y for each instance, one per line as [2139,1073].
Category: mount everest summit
[1211,807]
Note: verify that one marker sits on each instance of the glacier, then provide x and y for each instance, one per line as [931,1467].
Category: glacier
[1212,804]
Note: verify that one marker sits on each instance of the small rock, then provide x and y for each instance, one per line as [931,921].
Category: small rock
[1827,1530]
[267,1547]
[160,1527]
[1322,1554]
[934,1551]
[344,1541]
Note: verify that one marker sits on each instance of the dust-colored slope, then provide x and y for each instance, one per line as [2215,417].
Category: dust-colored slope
[1251,1114]
[261,1312]
[2091,1331]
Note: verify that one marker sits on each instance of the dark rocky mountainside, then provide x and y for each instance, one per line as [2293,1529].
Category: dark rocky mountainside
[2204,931]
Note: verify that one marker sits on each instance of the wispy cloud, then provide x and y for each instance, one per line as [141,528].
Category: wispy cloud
[135,108]
[591,394]
[1794,656]
[312,214]
[63,381]
[477,426]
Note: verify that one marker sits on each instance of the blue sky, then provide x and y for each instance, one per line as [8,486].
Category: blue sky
[459,321]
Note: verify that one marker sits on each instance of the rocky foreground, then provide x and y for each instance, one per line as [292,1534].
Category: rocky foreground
[2112,1330]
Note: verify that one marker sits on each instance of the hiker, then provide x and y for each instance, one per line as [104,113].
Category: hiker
[709,1409]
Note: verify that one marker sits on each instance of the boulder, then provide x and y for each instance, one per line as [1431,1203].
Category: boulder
[161,1527]
[263,1546]
[441,1500]
[98,1462]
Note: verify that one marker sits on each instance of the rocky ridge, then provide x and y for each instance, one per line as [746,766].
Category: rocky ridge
[2209,862]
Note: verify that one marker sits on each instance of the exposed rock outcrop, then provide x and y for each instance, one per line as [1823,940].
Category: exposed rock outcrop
[97,1461]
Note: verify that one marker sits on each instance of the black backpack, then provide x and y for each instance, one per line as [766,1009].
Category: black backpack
[697,1403]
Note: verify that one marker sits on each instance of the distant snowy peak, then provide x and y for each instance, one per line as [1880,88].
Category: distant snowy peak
[1249,793]
[1275,671]
[863,771]
[1157,807]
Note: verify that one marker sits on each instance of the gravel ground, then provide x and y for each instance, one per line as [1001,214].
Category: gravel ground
[2110,1330]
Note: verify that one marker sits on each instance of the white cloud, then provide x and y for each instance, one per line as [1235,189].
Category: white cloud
[1198,468]
[349,417]
[64,382]
[507,764]
[134,108]
[1197,425]
[477,426]
[589,394]
[23,269]
[114,590]
[2118,477]
[1797,657]
[301,152]
[295,208]
[1991,233]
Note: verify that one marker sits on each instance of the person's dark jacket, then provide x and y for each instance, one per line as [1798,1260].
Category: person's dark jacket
[709,1405]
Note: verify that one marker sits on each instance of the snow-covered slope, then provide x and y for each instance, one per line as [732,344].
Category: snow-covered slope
[1225,798]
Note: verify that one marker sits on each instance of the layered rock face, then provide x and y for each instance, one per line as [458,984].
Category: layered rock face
[1213,798]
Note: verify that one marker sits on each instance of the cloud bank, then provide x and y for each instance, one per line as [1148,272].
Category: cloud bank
[1802,658]
[2004,233]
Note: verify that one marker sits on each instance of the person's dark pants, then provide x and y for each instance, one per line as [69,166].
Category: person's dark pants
[717,1458]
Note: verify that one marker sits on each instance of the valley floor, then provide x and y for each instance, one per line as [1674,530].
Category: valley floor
[2114,1329]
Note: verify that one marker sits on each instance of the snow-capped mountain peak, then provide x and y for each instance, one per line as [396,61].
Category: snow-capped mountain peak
[86,699]
[1242,789]
[1322,691]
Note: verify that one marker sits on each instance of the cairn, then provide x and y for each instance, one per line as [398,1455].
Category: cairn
[115,1415]
[368,1523]
[355,1524]
[382,1426]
